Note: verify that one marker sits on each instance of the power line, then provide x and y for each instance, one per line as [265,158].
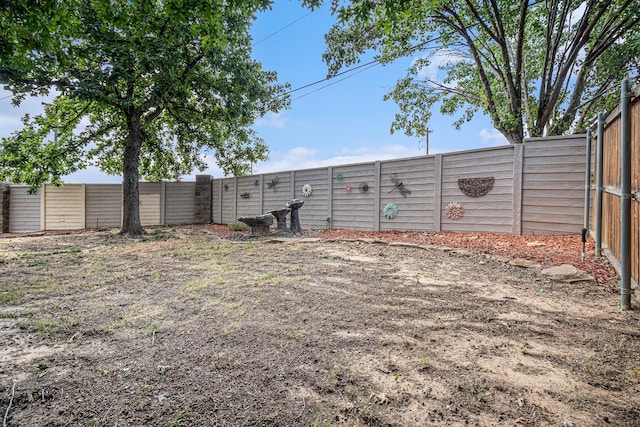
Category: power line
[350,70]
[371,65]
[281,29]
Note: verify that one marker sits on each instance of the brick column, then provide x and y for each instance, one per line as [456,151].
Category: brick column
[4,206]
[204,211]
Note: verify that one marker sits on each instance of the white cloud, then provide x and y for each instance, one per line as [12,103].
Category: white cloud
[439,59]
[275,120]
[492,138]
[304,158]
[577,14]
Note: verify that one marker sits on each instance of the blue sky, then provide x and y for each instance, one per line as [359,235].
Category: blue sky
[347,122]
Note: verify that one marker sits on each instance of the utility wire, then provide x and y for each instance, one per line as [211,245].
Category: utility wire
[281,29]
[350,70]
[371,65]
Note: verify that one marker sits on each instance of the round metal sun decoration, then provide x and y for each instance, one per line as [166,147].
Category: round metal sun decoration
[454,211]
[307,190]
[390,210]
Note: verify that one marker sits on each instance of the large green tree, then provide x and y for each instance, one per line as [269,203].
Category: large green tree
[142,88]
[541,67]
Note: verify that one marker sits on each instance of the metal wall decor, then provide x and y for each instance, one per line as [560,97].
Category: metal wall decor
[348,188]
[363,187]
[390,210]
[399,186]
[244,195]
[476,187]
[256,183]
[307,190]
[454,211]
[273,183]
[339,177]
[226,187]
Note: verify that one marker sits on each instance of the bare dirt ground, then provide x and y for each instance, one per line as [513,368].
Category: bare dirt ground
[188,328]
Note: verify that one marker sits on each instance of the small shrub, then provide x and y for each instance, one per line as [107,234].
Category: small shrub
[238,226]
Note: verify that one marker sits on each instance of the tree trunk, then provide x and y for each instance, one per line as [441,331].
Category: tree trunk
[514,137]
[130,189]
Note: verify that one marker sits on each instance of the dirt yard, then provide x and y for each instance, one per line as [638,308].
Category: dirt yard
[188,328]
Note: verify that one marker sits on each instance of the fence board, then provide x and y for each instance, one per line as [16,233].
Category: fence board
[228,201]
[24,210]
[103,205]
[278,195]
[353,209]
[64,207]
[553,186]
[248,197]
[180,202]
[415,212]
[216,200]
[150,195]
[492,211]
[611,174]
[315,212]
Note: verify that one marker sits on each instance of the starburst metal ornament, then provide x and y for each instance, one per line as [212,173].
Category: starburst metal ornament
[390,210]
[307,190]
[454,211]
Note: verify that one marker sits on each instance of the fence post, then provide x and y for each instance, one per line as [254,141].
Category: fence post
[204,186]
[437,193]
[518,169]
[235,198]
[261,188]
[221,198]
[330,197]
[84,205]
[5,191]
[163,203]
[43,207]
[377,211]
[625,196]
[587,183]
[599,178]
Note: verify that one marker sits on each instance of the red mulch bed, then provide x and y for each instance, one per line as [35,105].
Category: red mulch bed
[545,250]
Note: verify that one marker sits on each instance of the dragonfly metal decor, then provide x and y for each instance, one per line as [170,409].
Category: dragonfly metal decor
[399,186]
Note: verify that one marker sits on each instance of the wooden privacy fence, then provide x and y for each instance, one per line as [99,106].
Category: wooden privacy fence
[610,232]
[533,188]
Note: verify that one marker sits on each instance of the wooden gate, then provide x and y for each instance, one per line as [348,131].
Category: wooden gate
[611,185]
